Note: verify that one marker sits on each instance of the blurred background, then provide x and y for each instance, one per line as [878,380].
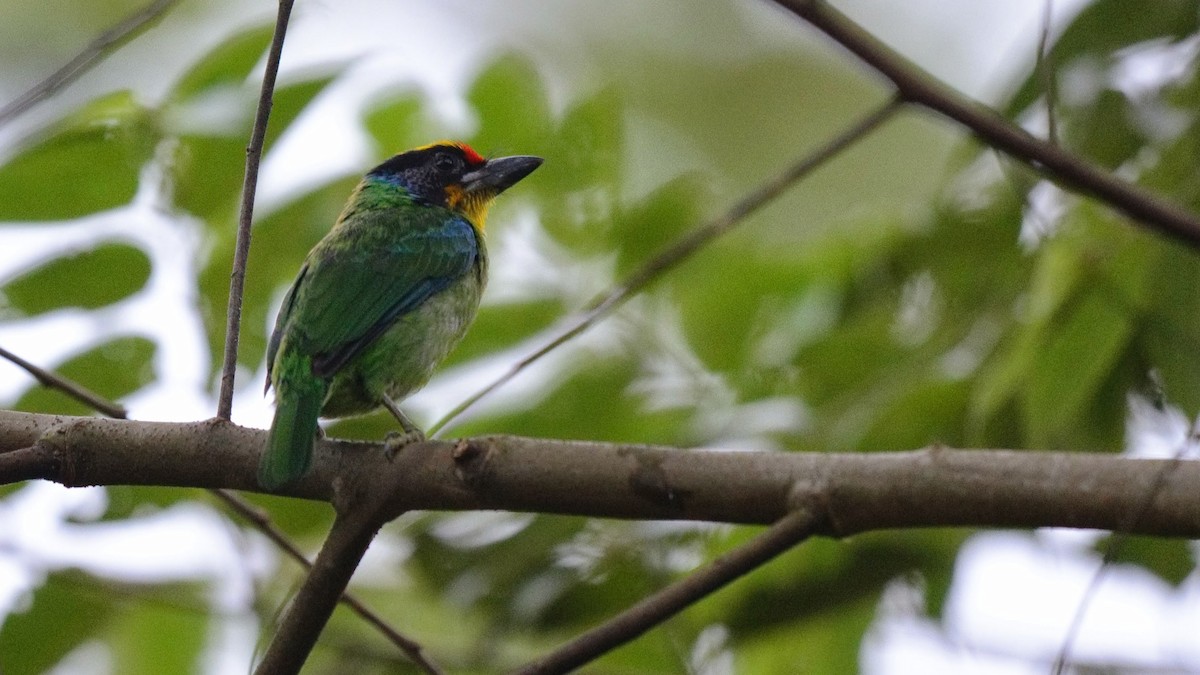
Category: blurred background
[918,289]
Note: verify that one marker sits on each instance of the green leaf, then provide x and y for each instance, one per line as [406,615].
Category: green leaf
[208,174]
[114,369]
[227,65]
[1070,367]
[647,228]
[1104,27]
[513,110]
[501,326]
[89,279]
[89,162]
[589,145]
[926,412]
[292,99]
[209,164]
[599,386]
[395,122]
[1169,559]
[69,609]
[829,645]
[1106,130]
[163,633]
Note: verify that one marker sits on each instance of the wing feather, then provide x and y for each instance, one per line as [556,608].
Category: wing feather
[346,296]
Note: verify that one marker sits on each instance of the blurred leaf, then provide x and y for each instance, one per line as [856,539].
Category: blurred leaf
[89,162]
[214,100]
[1070,367]
[512,106]
[89,279]
[1104,27]
[593,403]
[292,99]
[647,228]
[67,610]
[114,369]
[159,633]
[589,144]
[827,644]
[208,173]
[226,65]
[301,519]
[1106,131]
[501,571]
[822,574]
[927,412]
[502,326]
[1169,559]
[394,122]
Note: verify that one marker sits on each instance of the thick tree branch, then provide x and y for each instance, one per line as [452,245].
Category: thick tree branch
[847,492]
[919,86]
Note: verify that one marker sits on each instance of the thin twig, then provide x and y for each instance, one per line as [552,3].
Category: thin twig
[73,389]
[919,86]
[237,279]
[106,43]
[653,610]
[263,524]
[1111,548]
[684,247]
[1044,66]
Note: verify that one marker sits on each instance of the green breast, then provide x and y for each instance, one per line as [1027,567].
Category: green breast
[403,358]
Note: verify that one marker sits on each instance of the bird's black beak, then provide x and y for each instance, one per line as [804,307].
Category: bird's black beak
[498,174]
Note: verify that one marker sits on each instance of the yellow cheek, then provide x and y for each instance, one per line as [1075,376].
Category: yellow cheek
[473,206]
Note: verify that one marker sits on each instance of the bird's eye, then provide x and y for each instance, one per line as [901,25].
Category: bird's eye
[445,163]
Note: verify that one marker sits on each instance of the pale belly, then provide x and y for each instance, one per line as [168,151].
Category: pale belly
[402,359]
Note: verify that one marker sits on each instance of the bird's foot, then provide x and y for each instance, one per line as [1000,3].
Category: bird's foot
[398,440]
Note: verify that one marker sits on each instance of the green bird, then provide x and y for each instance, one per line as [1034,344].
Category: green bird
[383,297]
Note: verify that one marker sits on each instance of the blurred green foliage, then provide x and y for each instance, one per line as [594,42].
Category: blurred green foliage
[935,313]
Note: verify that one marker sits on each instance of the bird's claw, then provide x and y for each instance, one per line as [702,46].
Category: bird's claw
[398,440]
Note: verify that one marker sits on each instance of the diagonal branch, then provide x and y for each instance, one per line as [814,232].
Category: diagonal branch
[919,86]
[70,388]
[1111,548]
[263,524]
[237,279]
[792,529]
[685,246]
[104,44]
[353,530]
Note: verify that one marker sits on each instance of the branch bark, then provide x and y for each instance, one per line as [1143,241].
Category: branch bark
[846,492]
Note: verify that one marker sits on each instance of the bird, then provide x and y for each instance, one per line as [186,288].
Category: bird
[383,297]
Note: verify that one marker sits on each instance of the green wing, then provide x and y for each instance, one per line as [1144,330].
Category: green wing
[365,275]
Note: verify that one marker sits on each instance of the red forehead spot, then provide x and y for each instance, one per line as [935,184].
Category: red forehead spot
[472,156]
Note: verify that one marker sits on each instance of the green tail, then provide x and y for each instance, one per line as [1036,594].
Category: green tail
[298,398]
